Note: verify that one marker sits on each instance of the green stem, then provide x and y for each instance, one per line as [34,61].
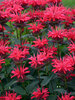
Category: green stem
[39,78]
[65,84]
[3,35]
[46,70]
[2,86]
[24,88]
[20,36]
[58,48]
[17,33]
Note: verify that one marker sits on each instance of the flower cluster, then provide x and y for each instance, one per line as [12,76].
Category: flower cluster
[47,27]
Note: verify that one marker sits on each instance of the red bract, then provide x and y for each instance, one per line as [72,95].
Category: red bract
[68,17]
[4,15]
[11,96]
[66,97]
[18,54]
[40,43]
[1,62]
[41,58]
[20,73]
[54,1]
[49,51]
[35,14]
[63,65]
[36,28]
[4,49]
[37,2]
[19,18]
[16,8]
[70,34]
[71,47]
[56,34]
[54,13]
[40,95]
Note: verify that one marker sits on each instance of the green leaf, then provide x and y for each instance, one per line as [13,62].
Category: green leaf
[29,36]
[47,79]
[52,97]
[19,90]
[8,85]
[61,90]
[30,77]
[73,93]
[32,86]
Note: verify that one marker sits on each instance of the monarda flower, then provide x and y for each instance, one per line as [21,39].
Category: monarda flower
[4,48]
[18,54]
[71,47]
[40,94]
[40,43]
[4,15]
[70,34]
[10,96]
[54,1]
[36,27]
[54,13]
[63,65]
[1,62]
[37,3]
[20,73]
[19,19]
[16,8]
[66,97]
[56,34]
[35,15]
[41,58]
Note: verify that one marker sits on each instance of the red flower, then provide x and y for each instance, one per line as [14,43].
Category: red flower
[42,57]
[4,49]
[66,97]
[35,28]
[19,18]
[33,61]
[10,96]
[39,60]
[40,43]
[18,54]
[56,34]
[37,2]
[1,62]
[73,75]
[70,34]
[71,47]
[35,14]
[20,73]
[54,13]
[40,95]
[54,1]
[63,65]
